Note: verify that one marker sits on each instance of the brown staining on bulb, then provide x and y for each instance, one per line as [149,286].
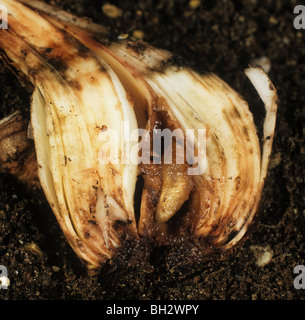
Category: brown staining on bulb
[83,88]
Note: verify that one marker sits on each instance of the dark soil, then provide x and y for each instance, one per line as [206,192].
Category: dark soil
[221,36]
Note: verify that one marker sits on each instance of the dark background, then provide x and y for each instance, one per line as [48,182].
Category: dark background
[219,36]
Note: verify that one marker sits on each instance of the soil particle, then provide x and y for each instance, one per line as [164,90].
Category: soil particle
[223,37]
